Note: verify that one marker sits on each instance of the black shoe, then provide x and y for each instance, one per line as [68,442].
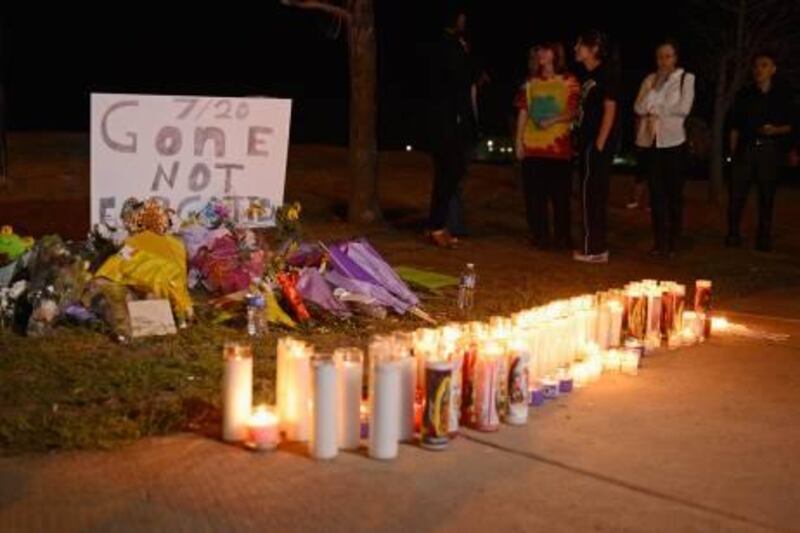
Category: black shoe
[539,244]
[764,246]
[733,241]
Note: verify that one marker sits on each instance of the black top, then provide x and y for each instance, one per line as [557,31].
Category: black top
[451,82]
[754,109]
[597,86]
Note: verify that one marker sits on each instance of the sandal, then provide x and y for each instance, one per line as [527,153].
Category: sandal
[443,239]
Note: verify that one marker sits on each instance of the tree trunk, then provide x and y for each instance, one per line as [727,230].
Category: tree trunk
[363,207]
[715,180]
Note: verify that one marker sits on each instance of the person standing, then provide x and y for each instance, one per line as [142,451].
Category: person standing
[760,134]
[547,105]
[597,119]
[453,125]
[664,101]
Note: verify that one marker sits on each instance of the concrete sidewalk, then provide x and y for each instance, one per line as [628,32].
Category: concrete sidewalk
[705,438]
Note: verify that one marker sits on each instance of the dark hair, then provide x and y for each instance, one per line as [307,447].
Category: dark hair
[767,53]
[669,41]
[559,56]
[452,11]
[598,39]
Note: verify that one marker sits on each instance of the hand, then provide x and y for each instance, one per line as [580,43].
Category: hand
[546,123]
[767,129]
[599,145]
[520,149]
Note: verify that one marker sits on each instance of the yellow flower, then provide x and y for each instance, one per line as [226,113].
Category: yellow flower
[293,213]
[6,230]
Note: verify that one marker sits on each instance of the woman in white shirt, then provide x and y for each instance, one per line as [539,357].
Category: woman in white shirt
[664,101]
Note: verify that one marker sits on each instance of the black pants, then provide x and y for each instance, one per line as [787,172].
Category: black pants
[759,165]
[547,181]
[665,177]
[449,167]
[595,173]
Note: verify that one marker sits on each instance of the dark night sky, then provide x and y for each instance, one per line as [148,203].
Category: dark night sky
[53,62]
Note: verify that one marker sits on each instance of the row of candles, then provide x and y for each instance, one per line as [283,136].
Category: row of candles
[432,381]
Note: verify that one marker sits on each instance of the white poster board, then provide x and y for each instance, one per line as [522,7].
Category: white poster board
[187,150]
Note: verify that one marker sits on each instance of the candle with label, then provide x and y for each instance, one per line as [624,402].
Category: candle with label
[518,393]
[702,305]
[485,416]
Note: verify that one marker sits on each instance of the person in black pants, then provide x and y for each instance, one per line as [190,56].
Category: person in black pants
[762,126]
[453,125]
[664,101]
[597,120]
[547,105]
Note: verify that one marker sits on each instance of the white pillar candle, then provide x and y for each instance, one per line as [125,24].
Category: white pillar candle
[611,361]
[349,383]
[580,374]
[629,362]
[324,420]
[408,392]
[237,391]
[384,404]
[591,325]
[294,388]
[695,323]
[604,326]
[262,429]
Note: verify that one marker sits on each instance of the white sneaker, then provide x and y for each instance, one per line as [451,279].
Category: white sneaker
[632,205]
[590,258]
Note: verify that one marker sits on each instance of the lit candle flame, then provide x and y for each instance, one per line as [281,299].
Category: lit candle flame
[720,323]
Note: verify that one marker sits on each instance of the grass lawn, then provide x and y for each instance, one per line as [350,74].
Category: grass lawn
[78,389]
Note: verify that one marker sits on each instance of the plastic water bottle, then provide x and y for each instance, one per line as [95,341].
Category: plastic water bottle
[466,289]
[256,322]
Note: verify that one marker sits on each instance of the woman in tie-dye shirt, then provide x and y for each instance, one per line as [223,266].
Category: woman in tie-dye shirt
[547,105]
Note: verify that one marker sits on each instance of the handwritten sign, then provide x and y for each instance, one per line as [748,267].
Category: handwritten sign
[186,150]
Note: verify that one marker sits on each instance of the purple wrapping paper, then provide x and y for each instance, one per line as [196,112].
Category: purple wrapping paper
[313,288]
[537,397]
[370,262]
[378,293]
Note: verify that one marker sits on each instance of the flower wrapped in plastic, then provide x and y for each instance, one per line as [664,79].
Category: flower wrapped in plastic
[14,253]
[214,214]
[288,284]
[225,266]
[154,265]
